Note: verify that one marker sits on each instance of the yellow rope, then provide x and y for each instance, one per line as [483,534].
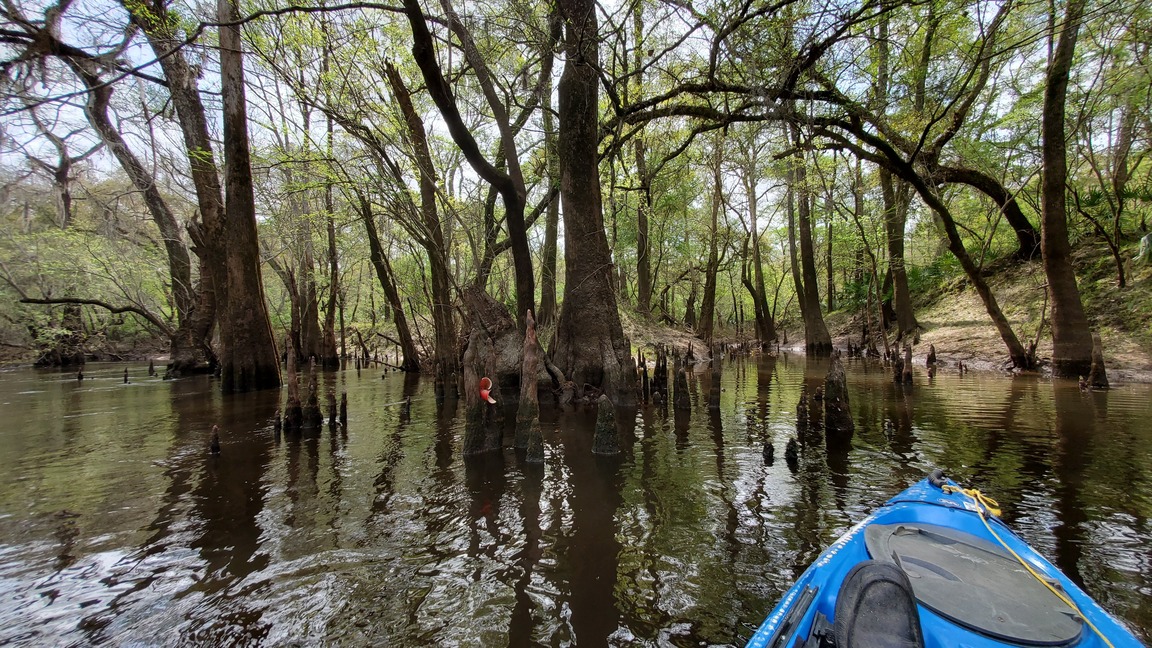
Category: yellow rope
[985,503]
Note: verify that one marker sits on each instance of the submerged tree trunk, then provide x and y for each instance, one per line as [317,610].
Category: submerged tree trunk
[528,434]
[837,413]
[590,343]
[248,358]
[1071,337]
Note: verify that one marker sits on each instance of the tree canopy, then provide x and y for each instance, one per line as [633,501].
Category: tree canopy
[729,167]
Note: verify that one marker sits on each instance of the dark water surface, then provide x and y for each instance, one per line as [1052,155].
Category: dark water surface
[118,527]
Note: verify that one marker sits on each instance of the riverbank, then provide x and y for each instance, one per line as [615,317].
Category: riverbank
[954,319]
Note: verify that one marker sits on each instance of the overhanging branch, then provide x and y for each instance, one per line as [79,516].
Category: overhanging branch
[136,310]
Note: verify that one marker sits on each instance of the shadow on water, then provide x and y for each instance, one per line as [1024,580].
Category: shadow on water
[117,525]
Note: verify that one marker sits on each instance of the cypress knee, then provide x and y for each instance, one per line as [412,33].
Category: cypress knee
[837,416]
[293,412]
[714,386]
[681,399]
[528,414]
[1098,377]
[606,441]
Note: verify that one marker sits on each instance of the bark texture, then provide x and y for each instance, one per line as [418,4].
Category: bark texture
[590,344]
[248,358]
[1071,337]
[528,434]
[837,414]
[817,339]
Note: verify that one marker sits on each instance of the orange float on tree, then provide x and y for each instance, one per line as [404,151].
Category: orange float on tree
[485,388]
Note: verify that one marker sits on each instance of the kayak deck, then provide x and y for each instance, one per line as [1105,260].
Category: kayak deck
[970,587]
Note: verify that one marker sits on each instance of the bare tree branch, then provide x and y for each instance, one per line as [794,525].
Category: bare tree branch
[151,318]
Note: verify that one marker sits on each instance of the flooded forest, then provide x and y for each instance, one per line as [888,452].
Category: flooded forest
[555,324]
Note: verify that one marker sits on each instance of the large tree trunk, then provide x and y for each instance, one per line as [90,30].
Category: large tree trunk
[1071,337]
[644,208]
[248,358]
[311,333]
[590,344]
[793,257]
[643,245]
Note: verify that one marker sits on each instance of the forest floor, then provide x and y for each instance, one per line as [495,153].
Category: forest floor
[953,319]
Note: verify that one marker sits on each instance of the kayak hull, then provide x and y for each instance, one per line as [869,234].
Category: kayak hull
[927,505]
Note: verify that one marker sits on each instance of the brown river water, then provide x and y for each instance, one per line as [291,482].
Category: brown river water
[118,527]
